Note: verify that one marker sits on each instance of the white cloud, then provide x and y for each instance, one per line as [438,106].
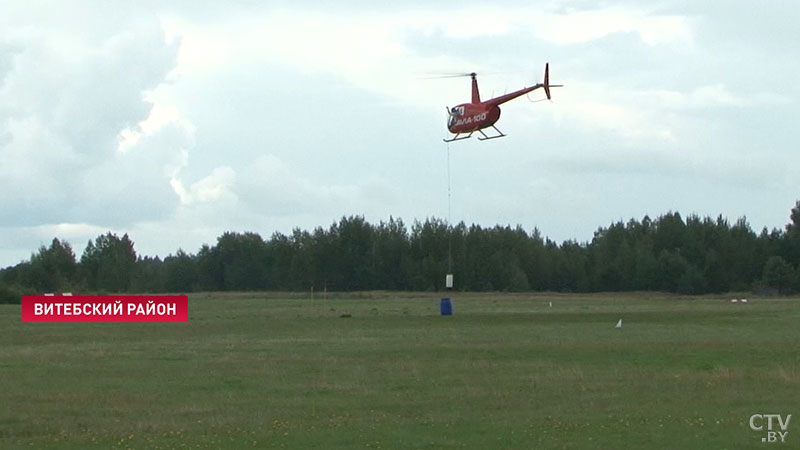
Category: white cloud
[209,189]
[583,26]
[370,49]
[709,96]
[270,187]
[611,108]
[70,102]
[655,115]
[159,116]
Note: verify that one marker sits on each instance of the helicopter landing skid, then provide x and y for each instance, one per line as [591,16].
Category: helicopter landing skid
[457,138]
[485,137]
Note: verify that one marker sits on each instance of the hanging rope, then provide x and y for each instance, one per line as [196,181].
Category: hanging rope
[449,218]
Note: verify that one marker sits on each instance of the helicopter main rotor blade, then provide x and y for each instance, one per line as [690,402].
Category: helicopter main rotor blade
[448,75]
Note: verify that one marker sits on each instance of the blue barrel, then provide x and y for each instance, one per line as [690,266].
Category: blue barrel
[445,307]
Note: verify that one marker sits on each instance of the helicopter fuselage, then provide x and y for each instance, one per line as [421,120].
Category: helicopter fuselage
[470,117]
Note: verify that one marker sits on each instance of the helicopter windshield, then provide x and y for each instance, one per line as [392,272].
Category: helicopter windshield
[455,112]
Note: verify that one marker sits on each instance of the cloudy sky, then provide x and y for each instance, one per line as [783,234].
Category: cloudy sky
[176,121]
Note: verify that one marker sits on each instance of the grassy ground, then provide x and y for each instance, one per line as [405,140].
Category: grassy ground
[505,372]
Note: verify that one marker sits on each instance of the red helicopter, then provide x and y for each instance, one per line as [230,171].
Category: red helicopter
[467,118]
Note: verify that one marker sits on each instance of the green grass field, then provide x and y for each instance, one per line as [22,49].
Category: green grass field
[504,372]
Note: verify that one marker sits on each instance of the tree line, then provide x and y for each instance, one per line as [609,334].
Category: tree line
[691,255]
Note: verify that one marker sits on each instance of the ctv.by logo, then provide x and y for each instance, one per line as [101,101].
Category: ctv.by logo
[757,424]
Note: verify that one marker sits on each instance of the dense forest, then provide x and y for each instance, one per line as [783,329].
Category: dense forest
[671,253]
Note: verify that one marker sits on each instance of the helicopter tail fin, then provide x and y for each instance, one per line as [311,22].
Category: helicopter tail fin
[546,85]
[547,79]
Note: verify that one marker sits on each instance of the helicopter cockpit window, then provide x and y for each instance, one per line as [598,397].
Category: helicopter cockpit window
[455,112]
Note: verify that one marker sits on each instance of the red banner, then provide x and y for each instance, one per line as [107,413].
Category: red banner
[105,308]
